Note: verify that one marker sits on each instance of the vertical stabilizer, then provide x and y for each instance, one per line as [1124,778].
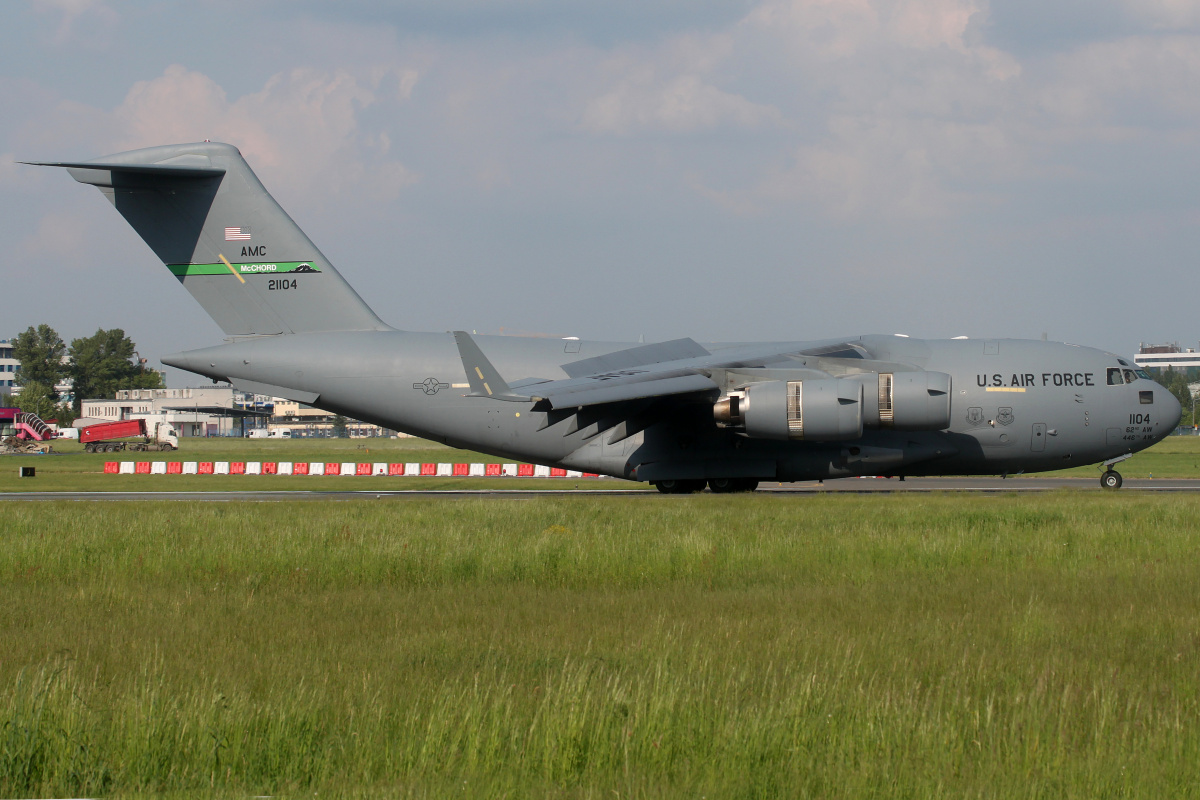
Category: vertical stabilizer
[203,212]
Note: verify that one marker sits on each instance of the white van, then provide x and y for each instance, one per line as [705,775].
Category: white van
[263,433]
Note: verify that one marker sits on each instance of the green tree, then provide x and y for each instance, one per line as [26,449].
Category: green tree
[40,351]
[38,398]
[339,426]
[103,363]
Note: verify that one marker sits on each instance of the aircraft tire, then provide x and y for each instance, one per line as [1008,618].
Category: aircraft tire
[679,486]
[1111,479]
[724,485]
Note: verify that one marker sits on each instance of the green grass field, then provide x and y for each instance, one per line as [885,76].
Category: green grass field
[705,646]
[72,470]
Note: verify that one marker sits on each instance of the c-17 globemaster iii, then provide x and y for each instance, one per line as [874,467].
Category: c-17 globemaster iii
[678,414]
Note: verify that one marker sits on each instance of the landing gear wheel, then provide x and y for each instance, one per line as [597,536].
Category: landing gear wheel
[679,486]
[1111,479]
[727,485]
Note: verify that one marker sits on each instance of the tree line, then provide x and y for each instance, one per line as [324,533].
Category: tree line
[96,365]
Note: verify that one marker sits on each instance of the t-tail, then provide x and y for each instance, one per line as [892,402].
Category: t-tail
[203,212]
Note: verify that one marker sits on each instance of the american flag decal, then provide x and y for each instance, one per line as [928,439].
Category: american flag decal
[237,234]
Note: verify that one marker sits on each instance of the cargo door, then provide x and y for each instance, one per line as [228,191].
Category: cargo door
[1038,444]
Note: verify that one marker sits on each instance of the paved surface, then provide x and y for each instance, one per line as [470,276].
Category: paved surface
[856,485]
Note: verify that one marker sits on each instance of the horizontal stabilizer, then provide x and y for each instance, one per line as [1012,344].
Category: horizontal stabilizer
[99,173]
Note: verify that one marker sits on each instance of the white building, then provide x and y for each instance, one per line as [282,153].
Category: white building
[9,368]
[10,375]
[1162,356]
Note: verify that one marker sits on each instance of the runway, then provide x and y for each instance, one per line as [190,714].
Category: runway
[846,485]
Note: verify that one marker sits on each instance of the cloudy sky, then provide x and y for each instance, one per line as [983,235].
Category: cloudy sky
[745,169]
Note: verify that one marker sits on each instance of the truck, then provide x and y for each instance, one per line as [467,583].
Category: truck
[111,437]
[275,433]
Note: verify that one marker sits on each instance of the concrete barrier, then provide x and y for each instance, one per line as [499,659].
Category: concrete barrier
[442,470]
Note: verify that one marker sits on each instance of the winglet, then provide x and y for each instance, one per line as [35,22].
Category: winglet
[485,381]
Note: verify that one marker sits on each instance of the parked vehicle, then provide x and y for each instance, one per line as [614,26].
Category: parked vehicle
[263,433]
[112,437]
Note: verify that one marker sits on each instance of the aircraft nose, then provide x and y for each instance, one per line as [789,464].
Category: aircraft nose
[1172,411]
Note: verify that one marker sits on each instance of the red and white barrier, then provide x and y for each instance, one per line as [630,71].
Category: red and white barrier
[442,470]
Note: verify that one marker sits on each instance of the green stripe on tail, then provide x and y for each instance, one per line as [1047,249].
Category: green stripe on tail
[251,268]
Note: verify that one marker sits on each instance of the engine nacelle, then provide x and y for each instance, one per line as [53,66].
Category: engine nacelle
[821,410]
[907,401]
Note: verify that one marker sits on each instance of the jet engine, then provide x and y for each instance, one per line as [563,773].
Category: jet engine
[907,401]
[837,409]
[822,410]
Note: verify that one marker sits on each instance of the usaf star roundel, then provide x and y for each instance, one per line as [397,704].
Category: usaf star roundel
[431,386]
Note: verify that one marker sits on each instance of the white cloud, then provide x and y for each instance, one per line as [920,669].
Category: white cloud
[1139,82]
[679,104]
[843,28]
[1164,14]
[302,130]
[78,19]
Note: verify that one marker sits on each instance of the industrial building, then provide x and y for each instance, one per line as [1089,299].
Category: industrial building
[1169,356]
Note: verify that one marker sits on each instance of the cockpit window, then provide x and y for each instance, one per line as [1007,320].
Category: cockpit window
[1129,377]
[1114,377]
[1141,373]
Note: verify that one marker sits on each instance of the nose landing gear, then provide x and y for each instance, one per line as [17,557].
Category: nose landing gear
[1110,478]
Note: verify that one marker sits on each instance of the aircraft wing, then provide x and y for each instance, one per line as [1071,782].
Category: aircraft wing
[619,387]
[628,383]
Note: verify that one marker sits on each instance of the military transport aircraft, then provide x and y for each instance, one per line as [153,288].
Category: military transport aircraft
[679,414]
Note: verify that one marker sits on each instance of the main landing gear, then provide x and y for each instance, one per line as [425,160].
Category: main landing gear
[716,485]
